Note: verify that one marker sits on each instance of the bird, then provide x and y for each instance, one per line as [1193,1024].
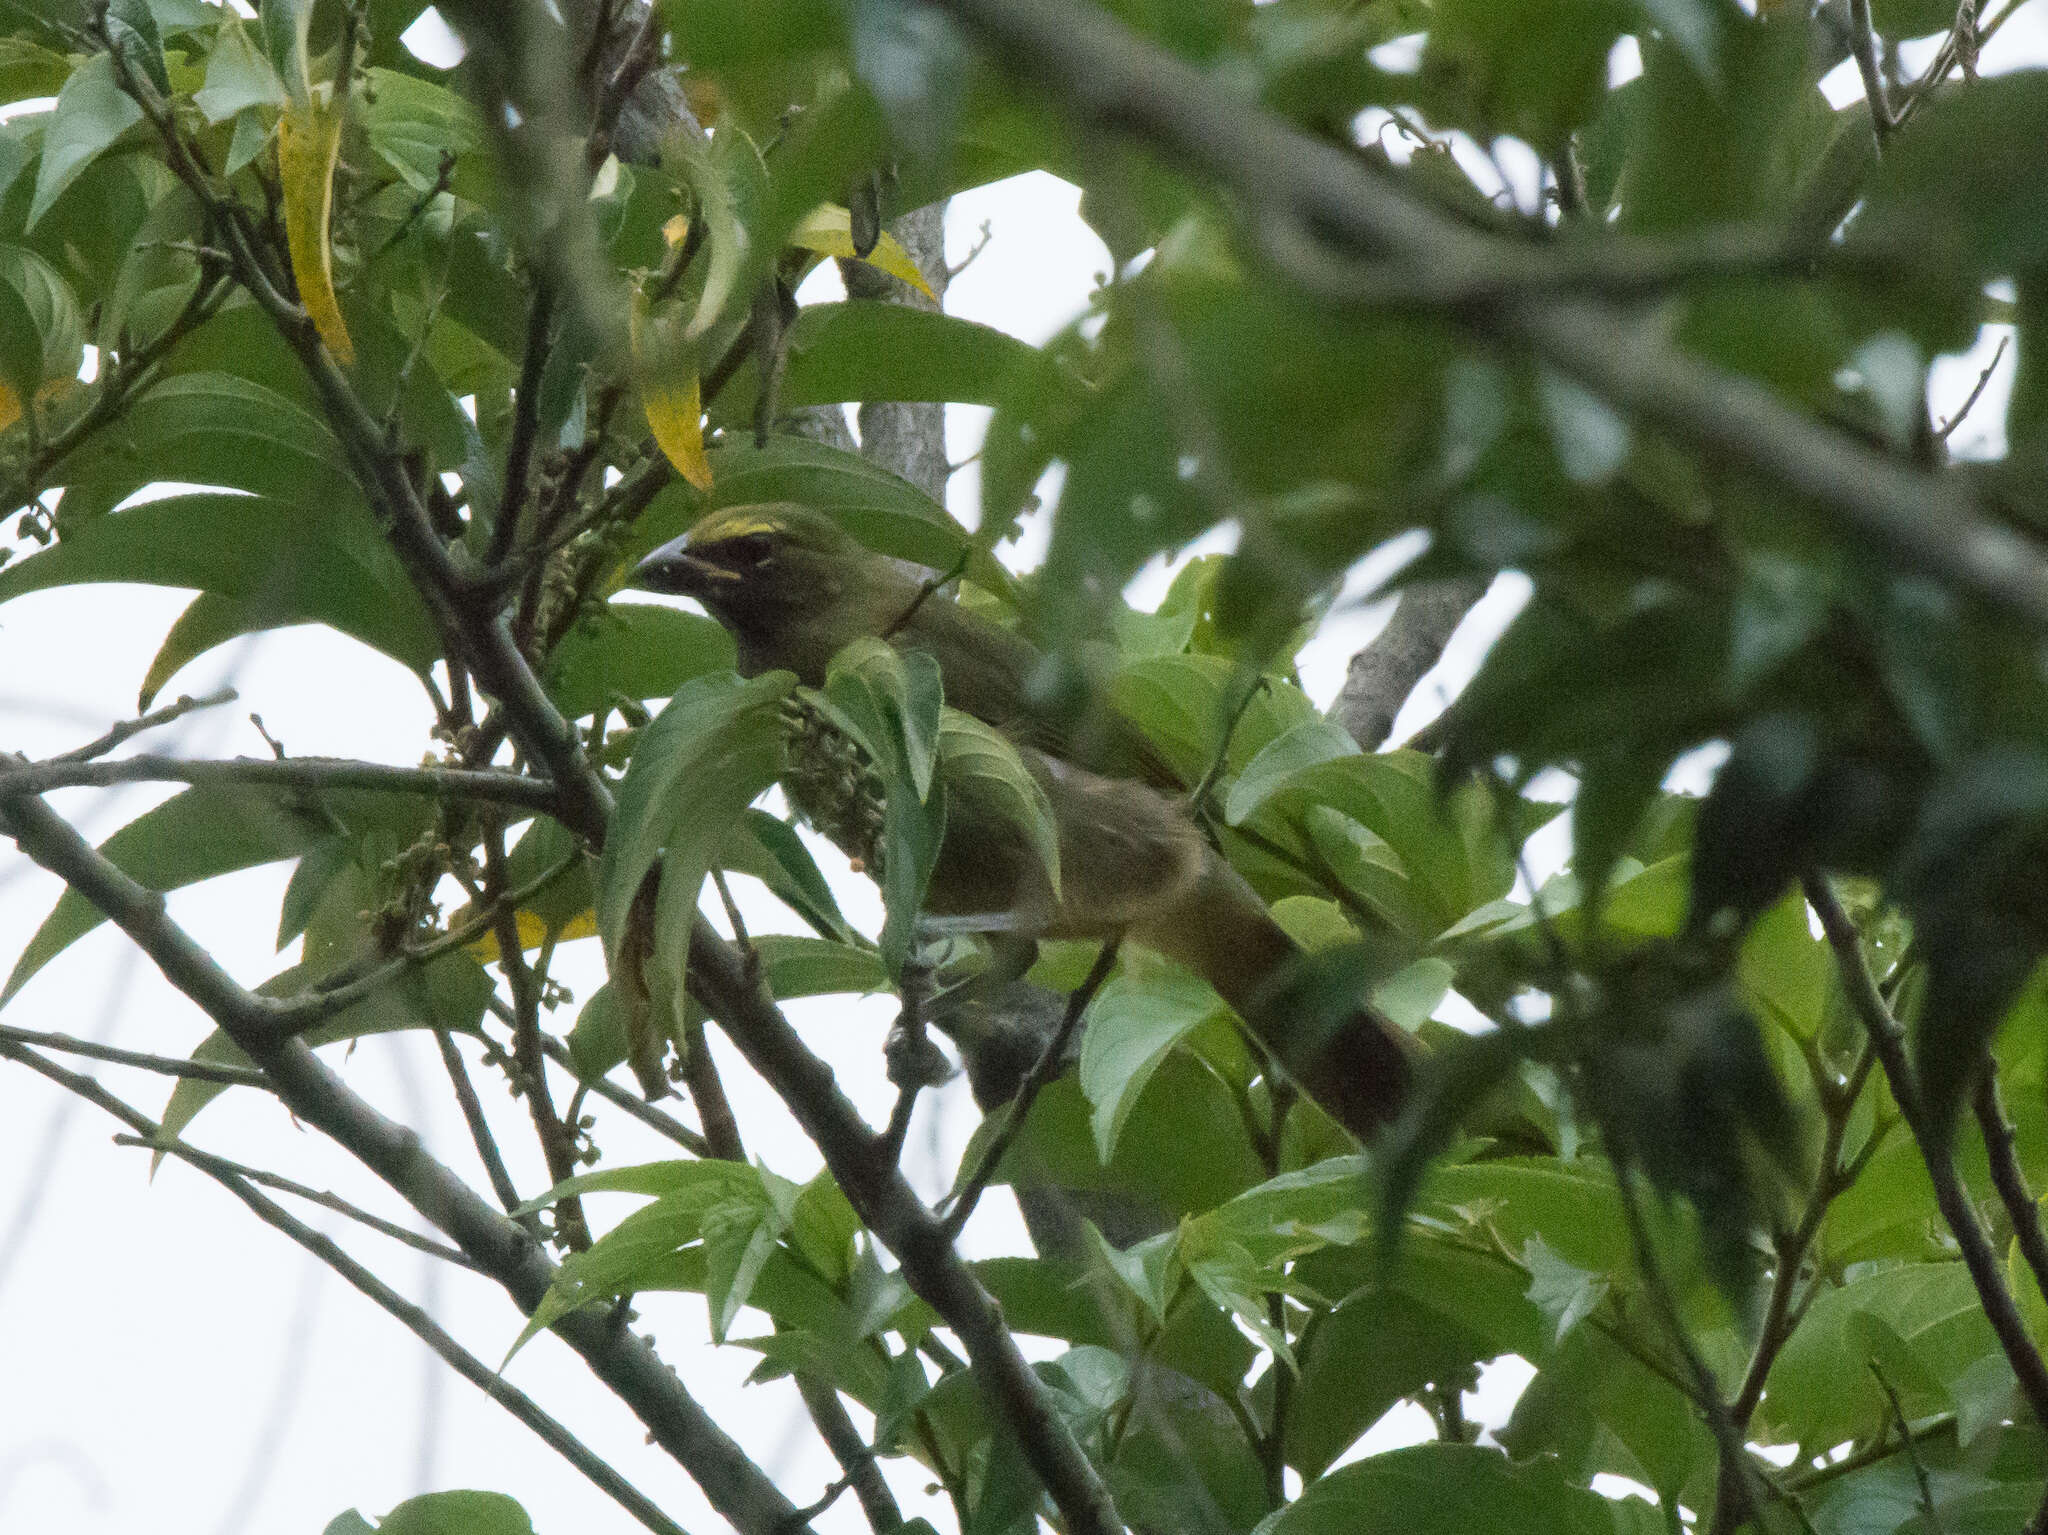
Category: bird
[794,588]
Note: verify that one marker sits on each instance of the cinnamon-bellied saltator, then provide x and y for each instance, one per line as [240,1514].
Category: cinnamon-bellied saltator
[795,588]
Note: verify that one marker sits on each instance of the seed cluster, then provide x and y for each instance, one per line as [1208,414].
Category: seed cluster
[832,783]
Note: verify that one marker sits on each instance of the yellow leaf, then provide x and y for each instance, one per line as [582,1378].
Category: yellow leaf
[533,933]
[829,231]
[10,407]
[670,396]
[676,229]
[308,144]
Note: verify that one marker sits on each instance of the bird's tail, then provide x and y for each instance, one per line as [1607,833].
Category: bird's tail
[1354,1061]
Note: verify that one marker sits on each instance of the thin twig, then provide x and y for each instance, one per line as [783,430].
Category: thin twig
[296,1014]
[1832,1180]
[640,56]
[1198,797]
[1930,1515]
[480,1130]
[185,705]
[557,1144]
[171,1146]
[310,774]
[1887,1037]
[621,1098]
[1736,1496]
[1948,428]
[931,584]
[163,1065]
[1043,1070]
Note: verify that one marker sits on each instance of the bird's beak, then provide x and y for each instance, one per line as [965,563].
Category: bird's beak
[673,569]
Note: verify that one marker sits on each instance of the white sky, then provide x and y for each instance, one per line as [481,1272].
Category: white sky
[177,1367]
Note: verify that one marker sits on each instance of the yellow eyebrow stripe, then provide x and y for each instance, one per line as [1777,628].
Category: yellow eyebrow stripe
[719,525]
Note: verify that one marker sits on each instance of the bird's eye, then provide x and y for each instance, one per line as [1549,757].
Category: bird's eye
[748,550]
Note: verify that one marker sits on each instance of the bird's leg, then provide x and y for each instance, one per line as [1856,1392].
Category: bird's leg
[914,1062]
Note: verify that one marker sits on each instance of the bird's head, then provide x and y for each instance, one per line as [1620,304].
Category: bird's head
[754,567]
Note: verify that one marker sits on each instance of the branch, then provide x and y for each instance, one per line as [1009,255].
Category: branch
[1948,428]
[720,979]
[311,774]
[454,592]
[294,1015]
[415,1318]
[163,1065]
[736,1487]
[1887,1038]
[2021,1207]
[1383,673]
[1863,44]
[1922,521]
[540,319]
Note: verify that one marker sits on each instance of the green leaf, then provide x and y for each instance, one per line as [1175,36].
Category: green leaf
[893,699]
[1282,763]
[264,555]
[1131,1025]
[1445,1487]
[1921,1322]
[1533,68]
[131,28]
[28,70]
[989,782]
[727,181]
[1563,1292]
[1450,1309]
[703,1233]
[411,123]
[1599,1408]
[875,351]
[1987,223]
[284,25]
[771,851]
[237,77]
[709,753]
[457,1513]
[1725,149]
[92,111]
[195,835]
[208,620]
[44,336]
[739,1239]
[633,650]
[890,702]
[217,429]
